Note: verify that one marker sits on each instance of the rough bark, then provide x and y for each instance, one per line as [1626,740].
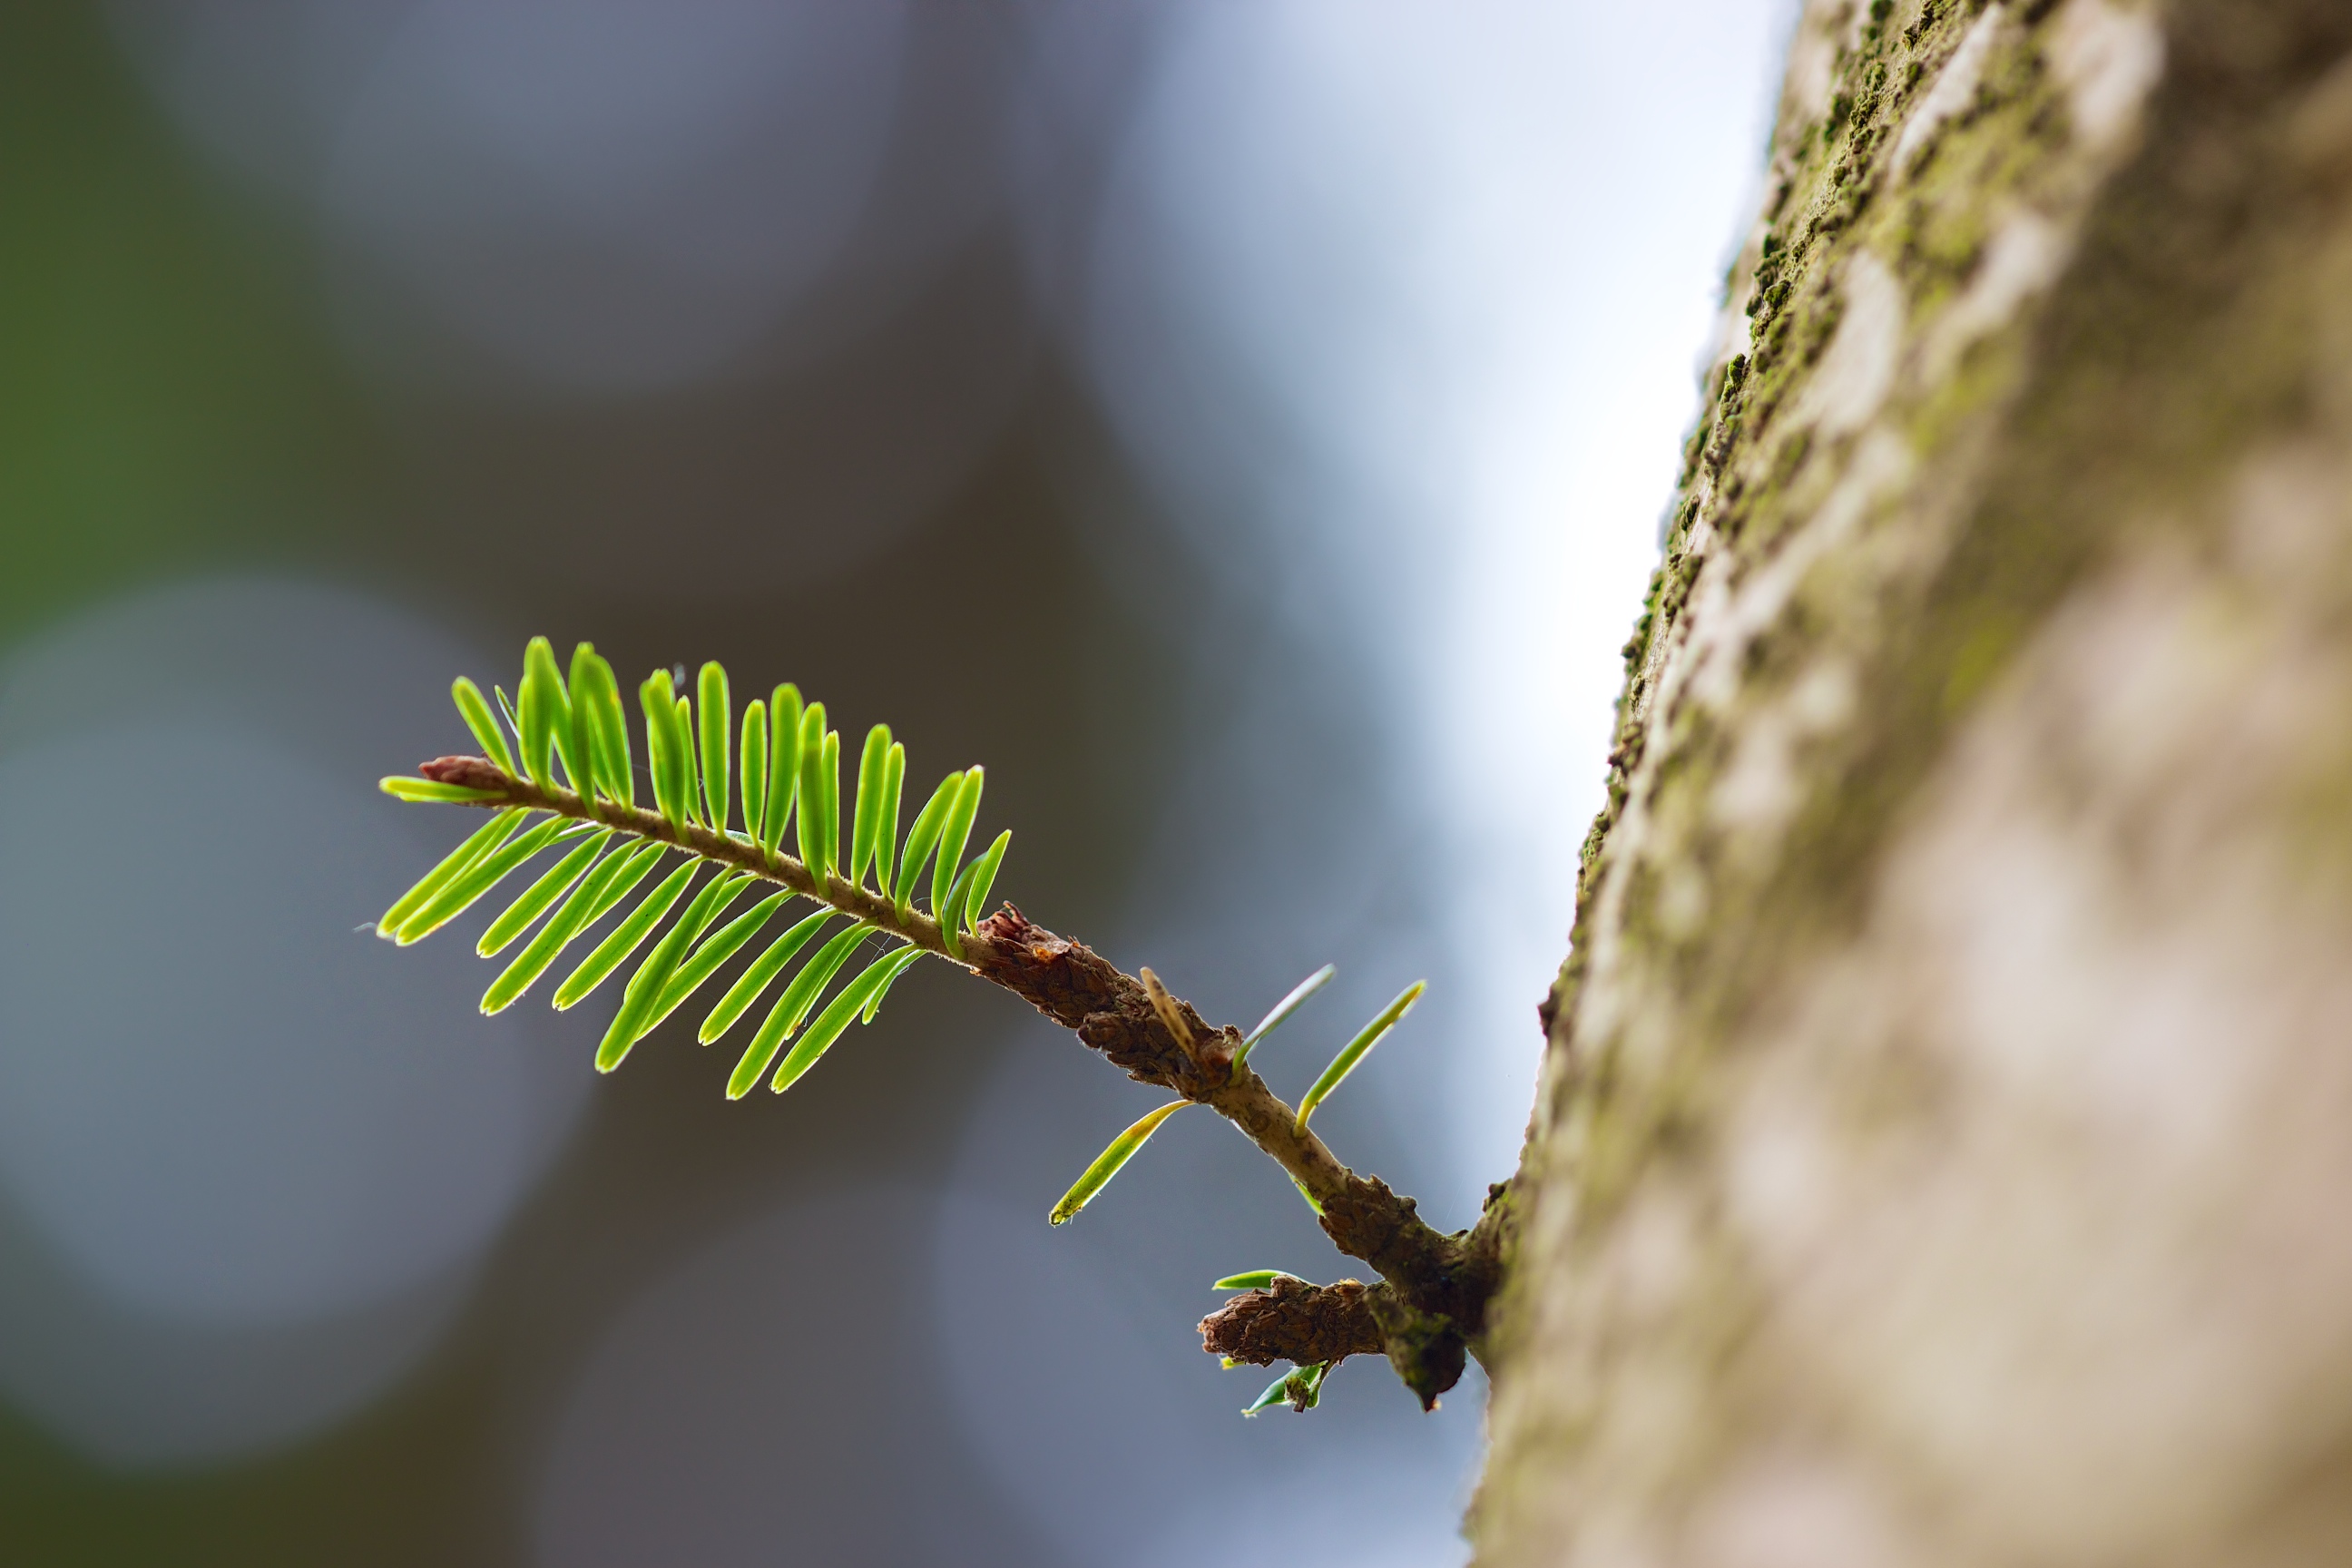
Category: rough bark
[1944,1146]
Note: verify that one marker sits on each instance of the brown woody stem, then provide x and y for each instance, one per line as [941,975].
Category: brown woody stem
[1436,1287]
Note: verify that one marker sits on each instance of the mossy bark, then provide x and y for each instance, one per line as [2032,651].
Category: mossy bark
[1944,1153]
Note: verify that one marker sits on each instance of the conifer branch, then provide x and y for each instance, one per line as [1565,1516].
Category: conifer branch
[1430,1306]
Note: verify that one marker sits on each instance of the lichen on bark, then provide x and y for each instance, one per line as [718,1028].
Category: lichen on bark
[1939,1155]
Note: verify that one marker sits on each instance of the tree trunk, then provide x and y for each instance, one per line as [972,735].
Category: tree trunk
[1944,1148]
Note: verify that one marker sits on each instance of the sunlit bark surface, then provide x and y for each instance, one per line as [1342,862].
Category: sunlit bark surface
[1945,1152]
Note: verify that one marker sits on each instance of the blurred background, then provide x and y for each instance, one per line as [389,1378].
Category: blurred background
[1241,424]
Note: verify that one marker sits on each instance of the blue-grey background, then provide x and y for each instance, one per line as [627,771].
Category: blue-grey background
[1241,424]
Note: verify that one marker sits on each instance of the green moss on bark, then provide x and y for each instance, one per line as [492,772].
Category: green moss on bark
[2082,349]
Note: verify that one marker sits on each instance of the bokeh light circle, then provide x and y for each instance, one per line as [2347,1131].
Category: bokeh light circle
[228,1112]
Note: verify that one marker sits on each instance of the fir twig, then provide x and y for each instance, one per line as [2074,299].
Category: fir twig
[1432,1301]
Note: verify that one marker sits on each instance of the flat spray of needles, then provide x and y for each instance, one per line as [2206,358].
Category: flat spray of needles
[754,811]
